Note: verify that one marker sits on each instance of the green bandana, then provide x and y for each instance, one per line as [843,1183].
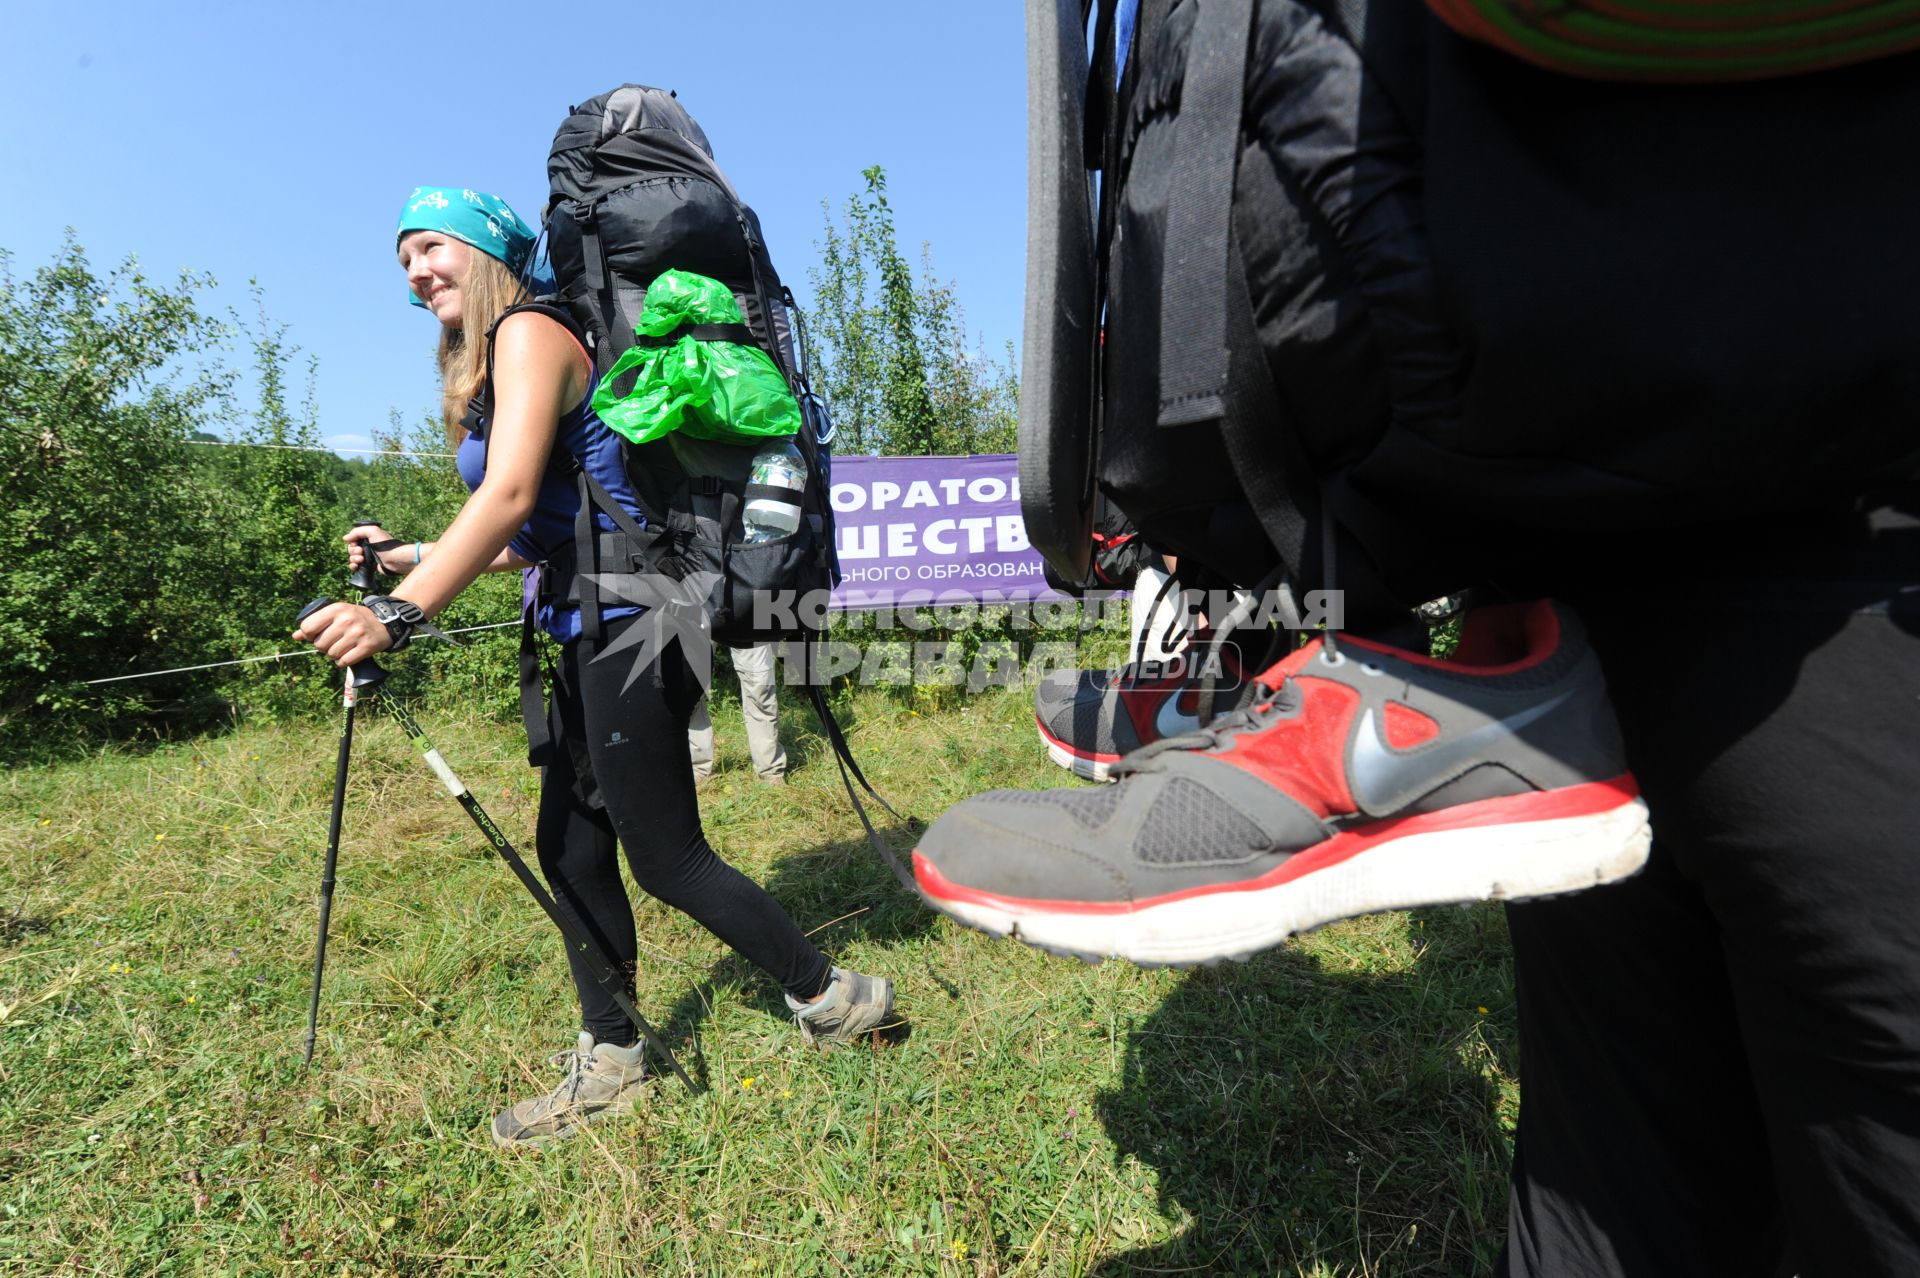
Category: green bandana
[472,217]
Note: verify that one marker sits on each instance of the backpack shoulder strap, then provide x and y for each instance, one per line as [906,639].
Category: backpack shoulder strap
[557,314]
[1193,338]
[480,407]
[1212,365]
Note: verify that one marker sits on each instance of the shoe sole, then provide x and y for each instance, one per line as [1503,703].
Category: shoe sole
[618,1109]
[1456,865]
[1087,767]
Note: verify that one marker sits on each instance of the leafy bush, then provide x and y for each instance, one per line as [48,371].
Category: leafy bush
[110,555]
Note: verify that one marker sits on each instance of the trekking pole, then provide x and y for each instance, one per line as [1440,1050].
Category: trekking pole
[369,674]
[361,579]
[349,694]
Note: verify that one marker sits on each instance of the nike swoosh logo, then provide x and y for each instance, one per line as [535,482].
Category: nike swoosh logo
[1169,722]
[1383,778]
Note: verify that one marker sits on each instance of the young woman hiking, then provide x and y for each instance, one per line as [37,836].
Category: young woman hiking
[619,764]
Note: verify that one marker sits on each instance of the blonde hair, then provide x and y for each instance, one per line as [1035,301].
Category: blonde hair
[489,289]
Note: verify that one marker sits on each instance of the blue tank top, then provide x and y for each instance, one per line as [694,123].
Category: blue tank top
[549,529]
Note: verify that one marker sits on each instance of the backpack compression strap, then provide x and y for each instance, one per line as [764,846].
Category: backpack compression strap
[843,756]
[741,333]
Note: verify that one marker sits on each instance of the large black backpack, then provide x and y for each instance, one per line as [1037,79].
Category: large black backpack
[1347,272]
[635,191]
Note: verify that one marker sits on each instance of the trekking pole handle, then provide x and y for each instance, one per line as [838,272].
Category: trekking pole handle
[365,578]
[363,673]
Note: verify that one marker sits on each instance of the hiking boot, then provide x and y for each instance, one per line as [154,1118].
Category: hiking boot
[1090,719]
[853,1006]
[1356,778]
[602,1081]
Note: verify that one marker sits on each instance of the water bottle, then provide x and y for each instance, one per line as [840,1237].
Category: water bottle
[774,486]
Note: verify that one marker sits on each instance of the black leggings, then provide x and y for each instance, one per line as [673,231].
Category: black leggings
[634,739]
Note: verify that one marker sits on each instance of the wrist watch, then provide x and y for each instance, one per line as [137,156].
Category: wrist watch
[399,616]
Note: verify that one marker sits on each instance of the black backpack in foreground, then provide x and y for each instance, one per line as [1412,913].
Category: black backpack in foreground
[1345,262]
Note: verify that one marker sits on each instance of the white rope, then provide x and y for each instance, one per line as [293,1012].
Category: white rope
[311,448]
[275,656]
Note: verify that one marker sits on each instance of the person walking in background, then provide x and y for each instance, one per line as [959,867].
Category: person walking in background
[759,706]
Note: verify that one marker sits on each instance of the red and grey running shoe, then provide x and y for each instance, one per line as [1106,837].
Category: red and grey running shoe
[1089,719]
[1356,778]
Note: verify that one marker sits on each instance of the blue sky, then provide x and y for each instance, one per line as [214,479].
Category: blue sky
[276,142]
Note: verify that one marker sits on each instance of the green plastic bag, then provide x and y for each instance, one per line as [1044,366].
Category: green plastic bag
[711,390]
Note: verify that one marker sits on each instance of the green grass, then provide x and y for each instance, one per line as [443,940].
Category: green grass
[1340,1106]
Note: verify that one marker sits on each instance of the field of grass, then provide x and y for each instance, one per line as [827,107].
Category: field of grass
[1340,1106]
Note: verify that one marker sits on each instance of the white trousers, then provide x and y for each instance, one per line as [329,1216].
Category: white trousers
[759,706]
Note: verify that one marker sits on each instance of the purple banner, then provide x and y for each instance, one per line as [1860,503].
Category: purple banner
[932,526]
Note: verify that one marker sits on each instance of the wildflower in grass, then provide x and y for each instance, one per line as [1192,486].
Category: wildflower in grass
[192,998]
[747,1081]
[160,838]
[786,1094]
[958,1248]
[1481,1010]
[46,820]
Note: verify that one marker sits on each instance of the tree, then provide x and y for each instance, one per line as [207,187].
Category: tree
[103,522]
[282,492]
[125,551]
[892,355]
[975,400]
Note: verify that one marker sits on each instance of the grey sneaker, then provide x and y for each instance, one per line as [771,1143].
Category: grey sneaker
[602,1081]
[853,1006]
[1090,719]
[1358,778]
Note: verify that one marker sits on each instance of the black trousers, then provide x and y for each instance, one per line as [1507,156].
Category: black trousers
[1720,1058]
[629,741]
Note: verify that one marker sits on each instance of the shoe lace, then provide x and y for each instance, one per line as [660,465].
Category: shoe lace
[1278,587]
[1265,704]
[578,1065]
